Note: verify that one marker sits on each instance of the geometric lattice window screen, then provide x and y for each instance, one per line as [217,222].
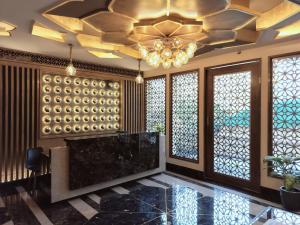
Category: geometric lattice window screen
[78,105]
[185,116]
[286,107]
[155,103]
[232,98]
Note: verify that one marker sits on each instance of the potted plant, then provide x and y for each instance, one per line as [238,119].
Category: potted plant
[159,128]
[283,166]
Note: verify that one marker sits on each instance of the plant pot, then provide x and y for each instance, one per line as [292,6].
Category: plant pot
[290,199]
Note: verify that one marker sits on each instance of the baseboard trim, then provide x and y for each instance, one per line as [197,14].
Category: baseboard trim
[264,193]
[185,171]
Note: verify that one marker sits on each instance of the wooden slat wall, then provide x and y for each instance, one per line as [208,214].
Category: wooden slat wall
[133,107]
[19,116]
[19,97]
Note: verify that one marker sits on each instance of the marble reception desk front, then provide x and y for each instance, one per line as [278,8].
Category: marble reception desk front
[88,164]
[101,159]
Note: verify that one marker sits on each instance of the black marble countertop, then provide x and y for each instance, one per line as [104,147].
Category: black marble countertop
[94,160]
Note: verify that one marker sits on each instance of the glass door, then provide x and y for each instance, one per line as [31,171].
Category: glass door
[233,105]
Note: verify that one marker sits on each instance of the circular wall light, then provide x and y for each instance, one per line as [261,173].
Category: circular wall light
[85,82]
[47,89]
[102,118]
[94,92]
[85,109]
[86,91]
[77,100]
[68,119]
[67,100]
[85,127]
[85,119]
[116,94]
[46,130]
[85,100]
[94,101]
[77,81]
[102,92]
[102,84]
[94,118]
[67,80]
[102,110]
[57,129]
[57,119]
[46,109]
[94,83]
[46,119]
[47,79]
[77,91]
[116,85]
[57,79]
[76,128]
[116,118]
[76,119]
[47,99]
[94,127]
[102,127]
[57,99]
[67,129]
[77,109]
[68,90]
[57,89]
[57,109]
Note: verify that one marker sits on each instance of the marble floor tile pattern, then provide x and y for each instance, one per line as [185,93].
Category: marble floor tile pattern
[164,199]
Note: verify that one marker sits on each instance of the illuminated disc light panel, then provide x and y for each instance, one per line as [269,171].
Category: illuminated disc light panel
[286,107]
[184,124]
[232,98]
[75,105]
[155,102]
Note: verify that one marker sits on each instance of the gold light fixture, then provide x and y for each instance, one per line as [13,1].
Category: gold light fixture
[40,30]
[168,51]
[6,28]
[139,78]
[71,70]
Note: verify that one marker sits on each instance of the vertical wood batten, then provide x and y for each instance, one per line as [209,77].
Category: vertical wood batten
[19,118]
[1,119]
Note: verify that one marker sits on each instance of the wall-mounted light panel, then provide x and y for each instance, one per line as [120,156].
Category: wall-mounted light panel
[74,105]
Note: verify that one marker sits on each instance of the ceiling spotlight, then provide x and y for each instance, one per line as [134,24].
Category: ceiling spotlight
[139,78]
[71,70]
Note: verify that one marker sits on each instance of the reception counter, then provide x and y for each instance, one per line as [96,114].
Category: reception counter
[88,164]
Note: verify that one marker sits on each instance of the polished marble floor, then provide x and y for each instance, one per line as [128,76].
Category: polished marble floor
[164,199]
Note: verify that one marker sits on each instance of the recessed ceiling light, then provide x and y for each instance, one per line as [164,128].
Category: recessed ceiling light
[107,55]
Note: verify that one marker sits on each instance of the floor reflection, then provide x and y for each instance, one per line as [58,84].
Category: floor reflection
[231,209]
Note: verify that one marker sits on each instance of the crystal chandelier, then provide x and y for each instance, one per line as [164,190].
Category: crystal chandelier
[71,70]
[168,51]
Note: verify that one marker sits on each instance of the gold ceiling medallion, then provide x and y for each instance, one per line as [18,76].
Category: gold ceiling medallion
[168,32]
[6,28]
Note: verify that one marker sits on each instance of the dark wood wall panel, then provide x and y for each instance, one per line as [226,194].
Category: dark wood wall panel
[133,107]
[19,118]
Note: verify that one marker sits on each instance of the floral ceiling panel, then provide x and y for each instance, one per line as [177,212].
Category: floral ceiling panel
[132,23]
